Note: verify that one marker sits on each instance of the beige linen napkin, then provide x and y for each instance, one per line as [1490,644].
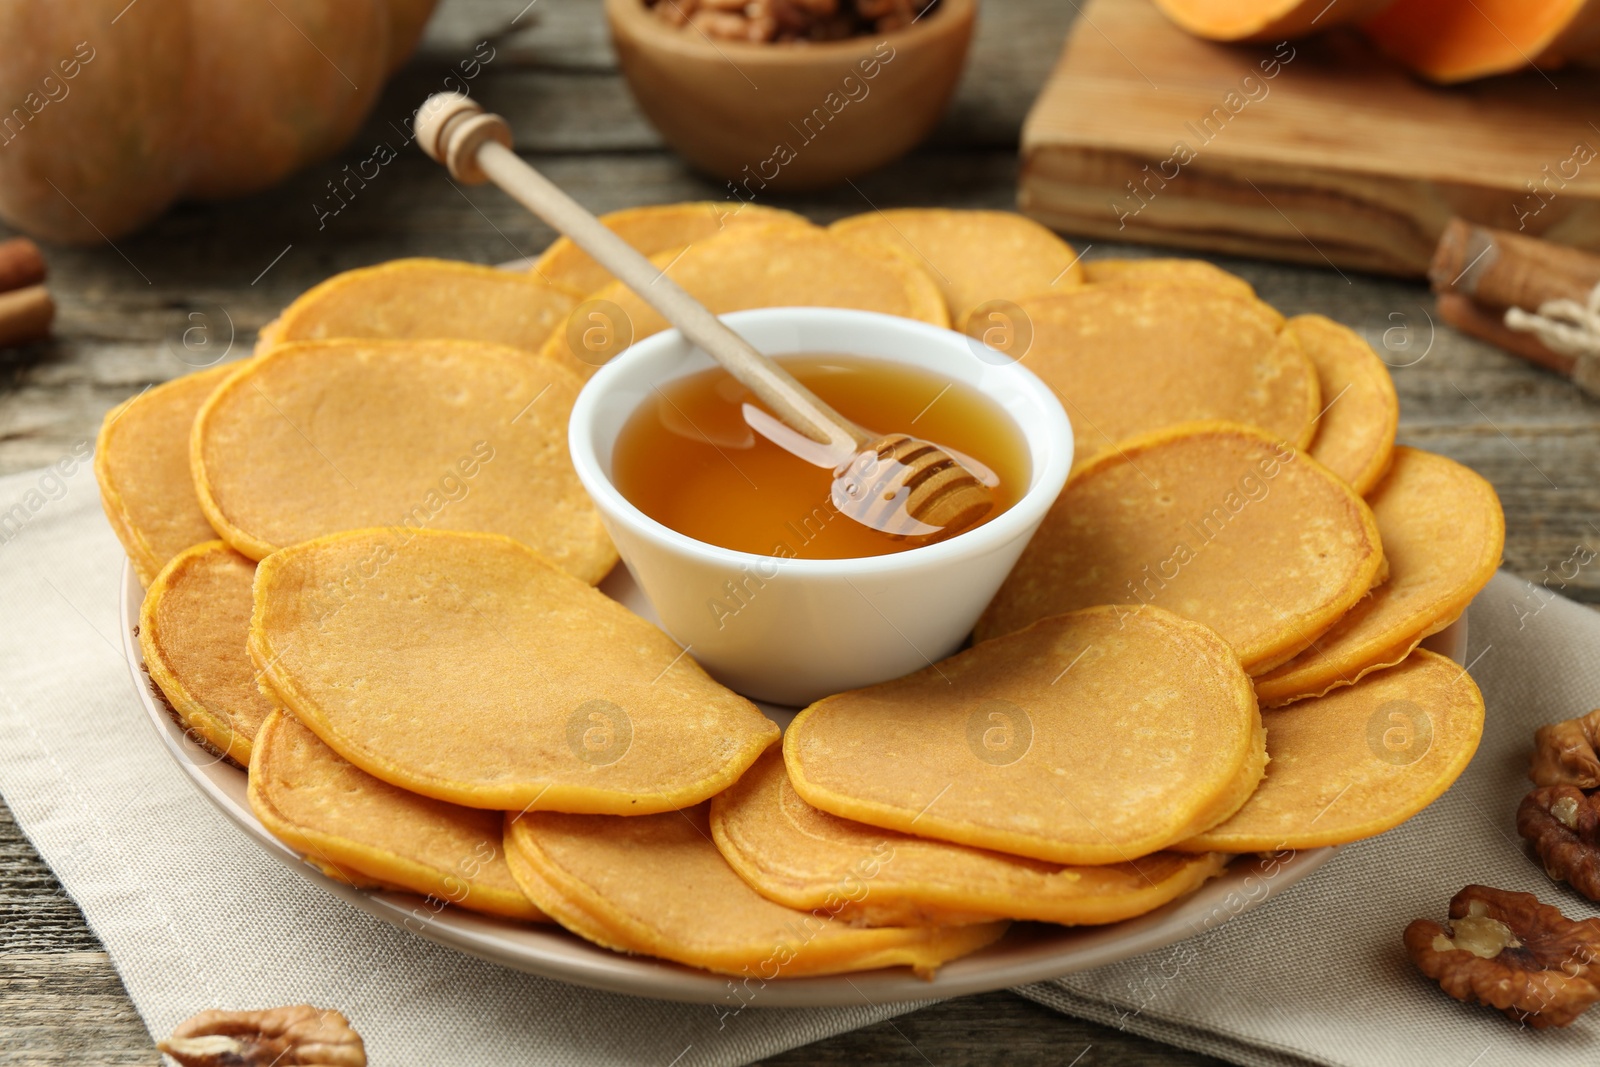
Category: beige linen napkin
[1319,974]
[194,915]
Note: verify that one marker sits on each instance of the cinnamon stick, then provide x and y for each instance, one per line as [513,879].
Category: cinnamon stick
[25,315]
[21,264]
[1500,269]
[1472,318]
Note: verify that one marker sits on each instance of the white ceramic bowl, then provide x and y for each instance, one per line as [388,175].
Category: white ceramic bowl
[808,628]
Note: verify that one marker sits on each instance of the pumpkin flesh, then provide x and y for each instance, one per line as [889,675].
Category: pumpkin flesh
[1456,40]
[1264,20]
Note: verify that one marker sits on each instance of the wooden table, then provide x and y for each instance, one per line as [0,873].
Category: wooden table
[206,273]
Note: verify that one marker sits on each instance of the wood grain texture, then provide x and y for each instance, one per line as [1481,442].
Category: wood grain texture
[206,273]
[1317,151]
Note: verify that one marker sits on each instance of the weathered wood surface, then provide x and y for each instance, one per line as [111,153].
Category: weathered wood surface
[124,313]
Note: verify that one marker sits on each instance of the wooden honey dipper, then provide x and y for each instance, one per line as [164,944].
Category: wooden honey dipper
[898,484]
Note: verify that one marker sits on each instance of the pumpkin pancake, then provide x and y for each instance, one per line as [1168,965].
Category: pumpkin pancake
[193,626]
[765,266]
[314,438]
[1355,433]
[1215,521]
[364,830]
[409,299]
[1359,761]
[466,667]
[1443,532]
[975,256]
[653,229]
[1128,359]
[1163,271]
[1093,737]
[804,858]
[656,885]
[141,462]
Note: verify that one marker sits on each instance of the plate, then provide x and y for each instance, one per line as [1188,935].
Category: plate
[1030,952]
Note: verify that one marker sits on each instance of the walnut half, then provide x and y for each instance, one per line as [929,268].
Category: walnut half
[296,1036]
[1508,951]
[1563,824]
[1564,753]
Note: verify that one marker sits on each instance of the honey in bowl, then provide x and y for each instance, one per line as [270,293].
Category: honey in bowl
[689,459]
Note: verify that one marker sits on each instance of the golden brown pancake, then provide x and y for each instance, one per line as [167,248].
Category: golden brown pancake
[466,667]
[1359,761]
[1162,271]
[193,626]
[1355,434]
[412,299]
[1215,521]
[310,439]
[141,461]
[755,267]
[975,256]
[362,830]
[653,229]
[1094,737]
[1129,359]
[803,858]
[656,885]
[1443,532]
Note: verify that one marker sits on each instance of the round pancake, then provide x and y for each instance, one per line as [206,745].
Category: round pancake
[410,299]
[1128,359]
[1355,434]
[1443,532]
[656,885]
[141,462]
[1215,521]
[1359,761]
[364,830]
[975,256]
[1165,271]
[1094,737]
[803,858]
[193,626]
[313,438]
[653,229]
[769,266]
[467,668]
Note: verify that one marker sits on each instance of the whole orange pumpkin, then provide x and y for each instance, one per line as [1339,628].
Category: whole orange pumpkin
[111,110]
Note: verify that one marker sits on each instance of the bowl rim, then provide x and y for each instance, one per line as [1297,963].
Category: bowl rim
[634,17]
[1053,431]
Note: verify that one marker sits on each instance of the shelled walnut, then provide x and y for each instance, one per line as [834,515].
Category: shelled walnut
[296,1036]
[1564,753]
[761,21]
[1508,951]
[1563,824]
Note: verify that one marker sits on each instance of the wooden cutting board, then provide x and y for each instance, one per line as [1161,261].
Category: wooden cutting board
[1319,151]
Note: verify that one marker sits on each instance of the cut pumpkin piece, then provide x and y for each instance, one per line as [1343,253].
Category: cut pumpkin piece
[141,462]
[1094,737]
[1443,532]
[193,629]
[756,267]
[360,830]
[467,668]
[1359,761]
[1129,359]
[975,256]
[804,858]
[309,439]
[414,299]
[1450,41]
[1265,20]
[1215,521]
[1159,270]
[656,885]
[1360,411]
[650,230]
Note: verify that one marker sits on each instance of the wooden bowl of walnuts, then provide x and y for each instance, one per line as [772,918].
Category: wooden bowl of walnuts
[791,94]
